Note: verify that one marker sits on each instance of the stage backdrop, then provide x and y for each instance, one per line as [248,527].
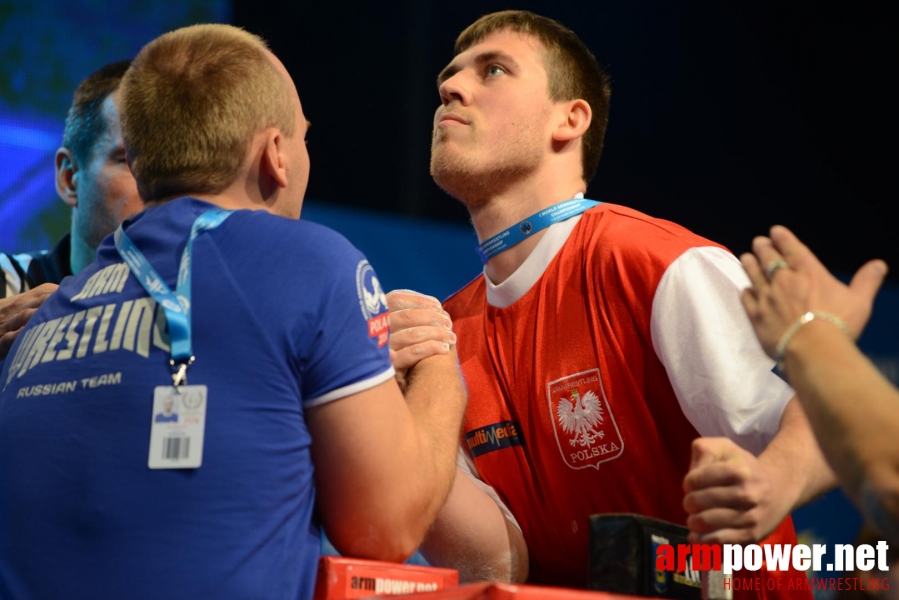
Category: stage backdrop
[46,49]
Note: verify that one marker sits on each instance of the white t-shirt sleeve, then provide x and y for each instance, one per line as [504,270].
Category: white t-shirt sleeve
[467,466]
[724,382]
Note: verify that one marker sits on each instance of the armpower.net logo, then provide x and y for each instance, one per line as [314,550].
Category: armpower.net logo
[849,564]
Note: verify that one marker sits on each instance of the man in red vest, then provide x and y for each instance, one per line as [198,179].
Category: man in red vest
[609,363]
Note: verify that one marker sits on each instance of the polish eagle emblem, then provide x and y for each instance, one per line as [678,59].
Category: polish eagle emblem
[579,416]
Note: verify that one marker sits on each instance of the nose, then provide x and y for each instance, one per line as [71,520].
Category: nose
[455,89]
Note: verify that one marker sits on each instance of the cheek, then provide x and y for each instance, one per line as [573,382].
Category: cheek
[122,190]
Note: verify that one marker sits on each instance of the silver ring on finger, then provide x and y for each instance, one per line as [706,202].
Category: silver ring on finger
[772,267]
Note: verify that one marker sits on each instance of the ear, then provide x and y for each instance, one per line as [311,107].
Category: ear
[67,177]
[273,161]
[575,117]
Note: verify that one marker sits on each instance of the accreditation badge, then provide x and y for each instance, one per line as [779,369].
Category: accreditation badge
[177,427]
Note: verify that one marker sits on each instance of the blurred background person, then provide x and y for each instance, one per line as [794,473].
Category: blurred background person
[93,178]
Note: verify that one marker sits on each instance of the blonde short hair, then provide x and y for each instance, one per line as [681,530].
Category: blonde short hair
[191,103]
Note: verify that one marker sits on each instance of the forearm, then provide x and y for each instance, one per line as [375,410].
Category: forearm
[472,535]
[436,397]
[384,463]
[800,470]
[851,406]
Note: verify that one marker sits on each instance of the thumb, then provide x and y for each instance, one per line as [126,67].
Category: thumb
[711,450]
[867,280]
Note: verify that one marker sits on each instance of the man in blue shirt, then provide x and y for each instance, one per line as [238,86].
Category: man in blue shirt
[96,498]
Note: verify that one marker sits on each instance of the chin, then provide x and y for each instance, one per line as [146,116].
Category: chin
[464,185]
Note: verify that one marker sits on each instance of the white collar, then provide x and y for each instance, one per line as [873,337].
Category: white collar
[526,275]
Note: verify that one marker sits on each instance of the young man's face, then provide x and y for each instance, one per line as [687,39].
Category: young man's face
[493,124]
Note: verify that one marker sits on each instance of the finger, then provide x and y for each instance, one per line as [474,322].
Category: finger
[33,298]
[706,450]
[17,320]
[418,317]
[765,251]
[868,279]
[6,342]
[750,300]
[736,497]
[718,474]
[410,356]
[794,251]
[16,311]
[720,518]
[754,271]
[402,299]
[417,335]
[723,536]
[45,289]
[701,454]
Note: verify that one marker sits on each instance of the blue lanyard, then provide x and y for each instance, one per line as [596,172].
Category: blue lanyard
[536,222]
[176,306]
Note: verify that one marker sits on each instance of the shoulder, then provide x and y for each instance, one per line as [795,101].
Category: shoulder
[297,241]
[615,229]
[294,231]
[629,230]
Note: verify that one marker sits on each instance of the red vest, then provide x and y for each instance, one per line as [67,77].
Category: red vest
[570,411]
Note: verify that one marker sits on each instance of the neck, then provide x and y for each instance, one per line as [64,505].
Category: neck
[228,200]
[251,190]
[512,206]
[80,254]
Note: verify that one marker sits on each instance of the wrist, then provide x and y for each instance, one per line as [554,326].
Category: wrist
[799,324]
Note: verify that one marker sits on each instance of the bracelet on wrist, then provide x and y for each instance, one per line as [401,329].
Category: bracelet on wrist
[797,324]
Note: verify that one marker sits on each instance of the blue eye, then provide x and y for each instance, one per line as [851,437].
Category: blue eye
[494,70]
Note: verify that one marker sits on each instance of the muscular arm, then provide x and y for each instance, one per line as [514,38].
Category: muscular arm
[795,461]
[384,464]
[853,410]
[472,535]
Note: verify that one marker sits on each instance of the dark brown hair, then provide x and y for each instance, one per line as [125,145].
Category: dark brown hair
[85,122]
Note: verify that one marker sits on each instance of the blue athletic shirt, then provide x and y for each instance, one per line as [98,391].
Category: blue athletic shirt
[286,314]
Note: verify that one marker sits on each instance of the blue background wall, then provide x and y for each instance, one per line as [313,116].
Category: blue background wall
[46,49]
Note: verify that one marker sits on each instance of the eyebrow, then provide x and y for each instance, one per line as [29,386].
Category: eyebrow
[480,59]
